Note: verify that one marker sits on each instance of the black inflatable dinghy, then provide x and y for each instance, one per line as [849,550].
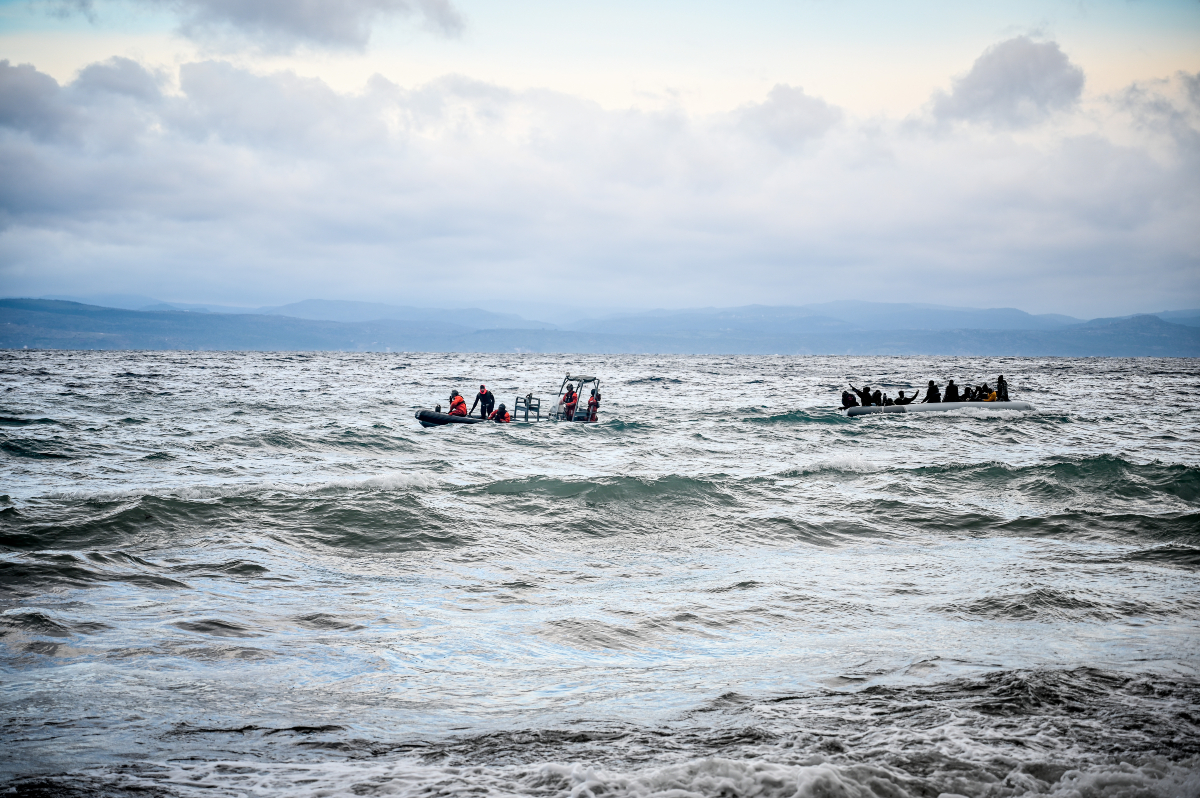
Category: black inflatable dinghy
[432,418]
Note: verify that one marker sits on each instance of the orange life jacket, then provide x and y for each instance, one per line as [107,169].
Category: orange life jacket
[991,397]
[458,406]
[570,400]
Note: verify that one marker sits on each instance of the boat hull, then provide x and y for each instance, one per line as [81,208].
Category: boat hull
[939,407]
[432,418]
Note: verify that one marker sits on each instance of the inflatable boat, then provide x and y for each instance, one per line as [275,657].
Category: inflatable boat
[939,407]
[432,418]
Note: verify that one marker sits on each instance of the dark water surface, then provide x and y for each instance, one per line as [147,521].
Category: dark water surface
[255,574]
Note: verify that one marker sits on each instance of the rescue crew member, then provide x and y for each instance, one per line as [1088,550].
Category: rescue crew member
[458,405]
[569,401]
[486,402]
[500,416]
[593,405]
[932,394]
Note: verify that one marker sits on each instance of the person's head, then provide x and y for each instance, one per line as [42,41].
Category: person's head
[951,382]
[593,392]
[454,393]
[502,407]
[932,384]
[1001,376]
[902,394]
[570,387]
[482,388]
[866,389]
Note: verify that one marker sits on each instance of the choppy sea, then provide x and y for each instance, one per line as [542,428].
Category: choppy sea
[255,574]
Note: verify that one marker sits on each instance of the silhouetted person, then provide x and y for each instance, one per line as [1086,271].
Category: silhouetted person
[887,401]
[902,400]
[932,394]
[951,393]
[1001,389]
[968,394]
[848,400]
[877,398]
[864,394]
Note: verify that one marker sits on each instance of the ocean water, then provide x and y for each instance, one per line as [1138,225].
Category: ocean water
[255,574]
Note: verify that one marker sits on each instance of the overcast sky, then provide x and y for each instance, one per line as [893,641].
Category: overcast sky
[1040,155]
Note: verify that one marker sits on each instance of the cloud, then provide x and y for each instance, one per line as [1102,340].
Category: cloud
[31,101]
[1014,84]
[282,25]
[245,187]
[789,117]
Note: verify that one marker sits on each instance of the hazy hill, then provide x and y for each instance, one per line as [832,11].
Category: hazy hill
[51,324]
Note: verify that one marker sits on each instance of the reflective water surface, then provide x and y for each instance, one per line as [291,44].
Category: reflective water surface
[256,574]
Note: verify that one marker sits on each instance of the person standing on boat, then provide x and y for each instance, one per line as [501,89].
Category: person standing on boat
[593,405]
[1001,389]
[569,402]
[864,394]
[951,393]
[458,405]
[486,402]
[932,394]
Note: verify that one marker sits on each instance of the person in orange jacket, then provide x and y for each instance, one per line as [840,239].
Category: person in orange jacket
[458,405]
[593,405]
[500,415]
[570,400]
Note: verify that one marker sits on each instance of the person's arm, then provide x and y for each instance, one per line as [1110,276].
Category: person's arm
[472,410]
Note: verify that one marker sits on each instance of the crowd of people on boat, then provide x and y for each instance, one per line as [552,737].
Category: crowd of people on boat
[865,397]
[485,400]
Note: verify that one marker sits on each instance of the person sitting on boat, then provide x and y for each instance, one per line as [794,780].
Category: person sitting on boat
[987,393]
[848,400]
[902,400]
[569,401]
[486,402]
[968,394]
[593,405]
[1001,389]
[458,405]
[932,394]
[500,415]
[887,401]
[877,398]
[864,394]
[951,393]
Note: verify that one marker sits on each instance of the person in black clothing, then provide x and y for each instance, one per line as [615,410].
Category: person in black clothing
[951,393]
[968,394]
[902,400]
[877,398]
[887,401]
[848,400]
[932,394]
[864,394]
[486,402]
[1001,389]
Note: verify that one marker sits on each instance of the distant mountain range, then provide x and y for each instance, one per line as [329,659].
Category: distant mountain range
[850,328]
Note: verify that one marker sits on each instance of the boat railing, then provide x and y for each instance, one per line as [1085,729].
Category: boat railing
[528,403]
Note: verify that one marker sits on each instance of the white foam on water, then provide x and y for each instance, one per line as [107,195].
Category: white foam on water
[696,778]
[396,481]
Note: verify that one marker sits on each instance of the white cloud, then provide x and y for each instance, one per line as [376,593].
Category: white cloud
[1015,83]
[268,188]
